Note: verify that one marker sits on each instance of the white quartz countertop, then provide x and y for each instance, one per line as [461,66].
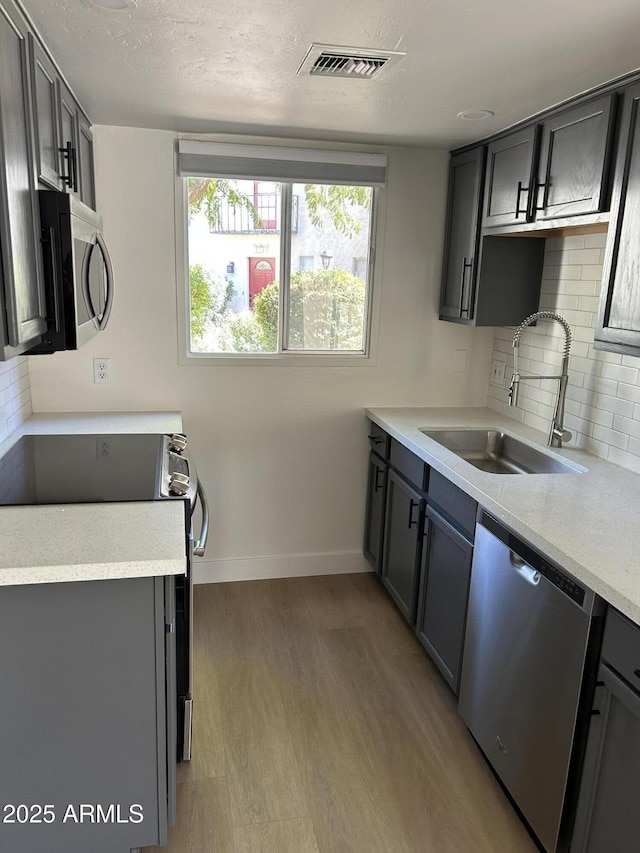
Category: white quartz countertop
[72,542]
[588,523]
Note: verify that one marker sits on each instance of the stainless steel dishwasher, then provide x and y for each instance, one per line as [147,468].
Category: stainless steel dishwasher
[532,632]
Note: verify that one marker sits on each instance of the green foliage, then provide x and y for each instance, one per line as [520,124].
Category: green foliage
[336,203]
[247,334]
[324,201]
[209,298]
[207,194]
[265,307]
[326,311]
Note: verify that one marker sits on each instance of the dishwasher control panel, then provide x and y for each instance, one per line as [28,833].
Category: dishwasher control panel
[563,582]
[553,574]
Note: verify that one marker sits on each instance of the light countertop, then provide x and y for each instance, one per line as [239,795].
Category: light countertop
[50,544]
[588,523]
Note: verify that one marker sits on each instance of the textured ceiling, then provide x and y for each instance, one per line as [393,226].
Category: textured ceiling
[197,65]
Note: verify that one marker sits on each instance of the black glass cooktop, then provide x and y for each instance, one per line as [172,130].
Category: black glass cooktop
[69,469]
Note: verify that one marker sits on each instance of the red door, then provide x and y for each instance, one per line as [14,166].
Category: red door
[262,271]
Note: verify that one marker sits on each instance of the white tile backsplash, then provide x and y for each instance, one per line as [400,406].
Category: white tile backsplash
[603,395]
[15,394]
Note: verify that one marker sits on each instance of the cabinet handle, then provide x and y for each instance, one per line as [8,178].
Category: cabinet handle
[521,190]
[466,265]
[67,155]
[412,505]
[377,485]
[375,439]
[74,169]
[541,185]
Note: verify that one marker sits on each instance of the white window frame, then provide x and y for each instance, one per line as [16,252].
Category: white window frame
[308,358]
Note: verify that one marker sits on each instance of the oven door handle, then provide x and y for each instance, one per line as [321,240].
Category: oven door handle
[200,544]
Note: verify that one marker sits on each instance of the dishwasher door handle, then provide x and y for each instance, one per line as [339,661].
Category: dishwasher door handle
[523,569]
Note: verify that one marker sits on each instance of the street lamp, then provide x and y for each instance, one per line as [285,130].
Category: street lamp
[326,260]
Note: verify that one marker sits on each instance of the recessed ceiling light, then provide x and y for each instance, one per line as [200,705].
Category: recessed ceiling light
[475,115]
[114,5]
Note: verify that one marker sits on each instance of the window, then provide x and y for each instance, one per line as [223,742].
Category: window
[271,263]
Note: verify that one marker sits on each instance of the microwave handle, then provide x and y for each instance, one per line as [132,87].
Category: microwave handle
[200,544]
[109,270]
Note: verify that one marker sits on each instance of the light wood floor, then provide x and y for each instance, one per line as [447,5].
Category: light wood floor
[321,725]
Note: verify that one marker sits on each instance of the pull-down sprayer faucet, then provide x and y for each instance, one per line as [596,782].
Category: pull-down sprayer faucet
[557,433]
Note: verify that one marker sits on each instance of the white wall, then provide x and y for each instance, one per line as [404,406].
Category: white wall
[281,449]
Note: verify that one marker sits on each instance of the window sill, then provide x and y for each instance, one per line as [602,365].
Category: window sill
[280,359]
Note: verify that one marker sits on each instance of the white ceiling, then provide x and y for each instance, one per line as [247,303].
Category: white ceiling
[203,66]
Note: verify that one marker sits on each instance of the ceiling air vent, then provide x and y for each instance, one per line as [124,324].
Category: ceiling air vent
[330,60]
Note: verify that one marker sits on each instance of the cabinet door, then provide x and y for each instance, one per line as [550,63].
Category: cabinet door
[608,818]
[510,177]
[376,498]
[574,159]
[69,137]
[84,719]
[618,321]
[19,228]
[466,173]
[46,119]
[404,511]
[85,161]
[444,590]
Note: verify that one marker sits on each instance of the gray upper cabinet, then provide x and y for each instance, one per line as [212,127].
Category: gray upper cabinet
[510,178]
[24,311]
[62,131]
[574,157]
[46,115]
[45,141]
[618,323]
[85,160]
[466,172]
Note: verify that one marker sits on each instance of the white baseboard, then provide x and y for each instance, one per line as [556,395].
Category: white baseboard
[284,566]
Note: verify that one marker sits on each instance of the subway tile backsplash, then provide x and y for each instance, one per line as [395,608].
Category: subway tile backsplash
[603,395]
[15,395]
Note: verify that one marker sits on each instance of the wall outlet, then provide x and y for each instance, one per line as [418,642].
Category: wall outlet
[103,447]
[101,371]
[497,372]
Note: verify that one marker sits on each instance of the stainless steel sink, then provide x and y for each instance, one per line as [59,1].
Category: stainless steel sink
[499,453]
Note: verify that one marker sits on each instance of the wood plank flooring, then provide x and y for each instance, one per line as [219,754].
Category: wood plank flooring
[321,726]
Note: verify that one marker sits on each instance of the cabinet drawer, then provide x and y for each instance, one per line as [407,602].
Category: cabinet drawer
[409,465]
[455,503]
[621,647]
[379,440]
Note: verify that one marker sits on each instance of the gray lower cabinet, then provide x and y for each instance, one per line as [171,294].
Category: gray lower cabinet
[444,591]
[402,538]
[86,743]
[618,321]
[608,818]
[22,299]
[376,499]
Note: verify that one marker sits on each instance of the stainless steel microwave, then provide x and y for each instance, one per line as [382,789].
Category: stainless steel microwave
[78,274]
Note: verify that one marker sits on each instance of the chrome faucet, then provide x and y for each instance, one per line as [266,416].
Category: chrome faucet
[557,433]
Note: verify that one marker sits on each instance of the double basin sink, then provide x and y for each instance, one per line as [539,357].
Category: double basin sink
[499,453]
